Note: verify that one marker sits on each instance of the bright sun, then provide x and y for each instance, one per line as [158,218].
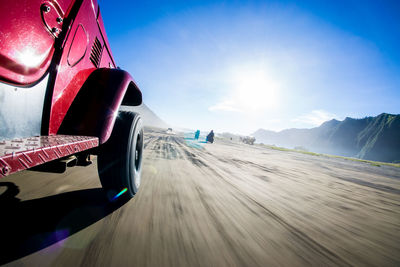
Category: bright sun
[251,90]
[254,91]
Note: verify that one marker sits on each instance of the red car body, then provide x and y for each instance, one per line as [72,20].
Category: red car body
[57,77]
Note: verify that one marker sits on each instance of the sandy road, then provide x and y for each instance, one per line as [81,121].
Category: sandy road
[224,204]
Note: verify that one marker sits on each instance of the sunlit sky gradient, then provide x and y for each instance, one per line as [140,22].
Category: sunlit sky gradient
[239,66]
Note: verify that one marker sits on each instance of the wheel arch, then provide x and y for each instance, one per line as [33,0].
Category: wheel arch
[133,95]
[94,109]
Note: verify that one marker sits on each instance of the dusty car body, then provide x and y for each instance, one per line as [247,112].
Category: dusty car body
[60,92]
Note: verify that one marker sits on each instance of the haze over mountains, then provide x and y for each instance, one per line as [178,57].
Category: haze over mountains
[148,116]
[372,138]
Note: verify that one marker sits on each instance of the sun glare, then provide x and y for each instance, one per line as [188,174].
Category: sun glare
[251,90]
[30,58]
[254,91]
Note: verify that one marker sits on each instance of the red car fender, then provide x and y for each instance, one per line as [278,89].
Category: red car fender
[94,109]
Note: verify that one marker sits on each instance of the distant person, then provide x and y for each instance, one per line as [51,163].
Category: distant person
[210,137]
[197,135]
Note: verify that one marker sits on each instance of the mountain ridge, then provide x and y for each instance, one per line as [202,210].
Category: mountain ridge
[149,118]
[371,138]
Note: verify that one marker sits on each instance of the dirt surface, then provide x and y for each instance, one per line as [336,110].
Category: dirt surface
[222,204]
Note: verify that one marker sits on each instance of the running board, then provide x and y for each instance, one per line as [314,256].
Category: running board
[20,154]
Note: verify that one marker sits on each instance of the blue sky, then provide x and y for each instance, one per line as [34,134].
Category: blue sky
[242,65]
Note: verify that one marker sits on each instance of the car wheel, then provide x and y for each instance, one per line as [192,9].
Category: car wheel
[119,160]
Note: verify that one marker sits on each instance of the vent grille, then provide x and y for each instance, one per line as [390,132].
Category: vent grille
[95,53]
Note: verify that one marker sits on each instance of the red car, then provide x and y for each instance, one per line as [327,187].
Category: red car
[61,91]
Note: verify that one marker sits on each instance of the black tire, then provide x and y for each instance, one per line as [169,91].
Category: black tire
[119,161]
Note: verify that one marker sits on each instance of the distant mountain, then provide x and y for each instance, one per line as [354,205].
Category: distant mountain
[148,116]
[373,138]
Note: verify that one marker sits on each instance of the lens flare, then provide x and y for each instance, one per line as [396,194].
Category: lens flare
[120,193]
